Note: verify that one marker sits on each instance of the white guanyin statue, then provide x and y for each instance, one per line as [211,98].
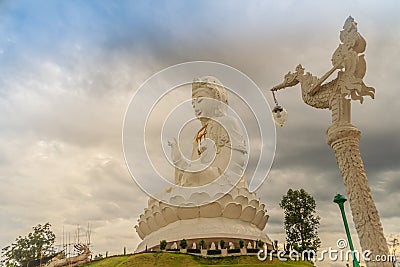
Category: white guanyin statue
[213,247]
[217,143]
[210,199]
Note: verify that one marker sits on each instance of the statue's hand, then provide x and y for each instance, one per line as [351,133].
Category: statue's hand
[173,143]
[175,153]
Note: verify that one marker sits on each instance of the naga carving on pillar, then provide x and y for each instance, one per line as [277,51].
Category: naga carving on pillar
[342,136]
[336,94]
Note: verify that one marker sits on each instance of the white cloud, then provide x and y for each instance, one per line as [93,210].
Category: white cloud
[63,98]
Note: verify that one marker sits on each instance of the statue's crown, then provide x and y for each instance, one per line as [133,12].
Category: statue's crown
[218,91]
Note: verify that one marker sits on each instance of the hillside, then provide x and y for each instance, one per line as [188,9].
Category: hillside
[166,259]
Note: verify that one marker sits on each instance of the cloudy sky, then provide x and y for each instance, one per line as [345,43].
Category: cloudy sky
[69,68]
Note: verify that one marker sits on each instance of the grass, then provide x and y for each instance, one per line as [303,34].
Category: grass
[167,259]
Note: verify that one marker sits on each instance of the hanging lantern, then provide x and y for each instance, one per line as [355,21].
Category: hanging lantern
[279,113]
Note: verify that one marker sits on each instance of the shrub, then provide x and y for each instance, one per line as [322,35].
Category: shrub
[241,243]
[183,244]
[193,250]
[203,244]
[214,252]
[260,243]
[163,244]
[222,243]
[252,250]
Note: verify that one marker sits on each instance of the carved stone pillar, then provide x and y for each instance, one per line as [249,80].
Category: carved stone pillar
[344,140]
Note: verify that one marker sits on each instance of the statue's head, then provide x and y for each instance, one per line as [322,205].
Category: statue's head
[210,98]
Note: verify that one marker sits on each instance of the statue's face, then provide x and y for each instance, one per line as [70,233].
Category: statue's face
[203,104]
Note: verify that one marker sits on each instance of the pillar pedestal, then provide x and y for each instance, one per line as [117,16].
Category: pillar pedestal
[344,140]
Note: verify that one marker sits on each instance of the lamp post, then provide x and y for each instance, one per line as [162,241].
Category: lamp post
[339,199]
[343,136]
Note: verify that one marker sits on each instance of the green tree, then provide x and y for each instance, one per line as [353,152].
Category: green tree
[260,243]
[31,249]
[301,223]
